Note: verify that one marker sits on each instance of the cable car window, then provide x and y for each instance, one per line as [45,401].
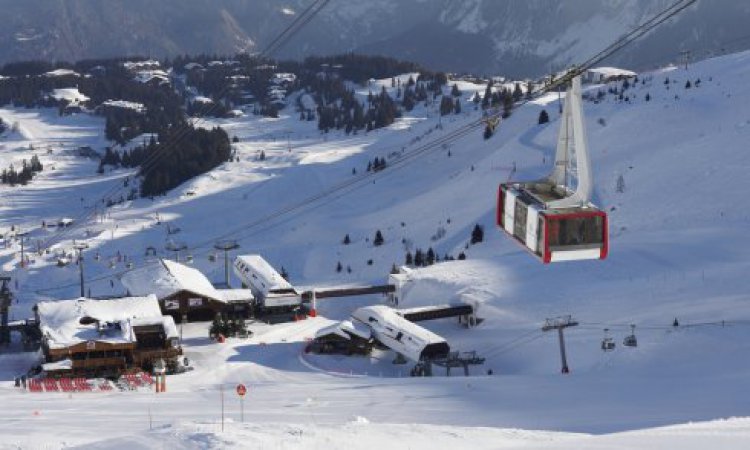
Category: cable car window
[575,231]
[540,237]
[519,227]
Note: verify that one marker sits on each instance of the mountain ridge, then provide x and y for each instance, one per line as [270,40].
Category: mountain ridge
[512,38]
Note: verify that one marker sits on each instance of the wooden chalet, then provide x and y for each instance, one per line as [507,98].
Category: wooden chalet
[185,293]
[87,337]
[343,338]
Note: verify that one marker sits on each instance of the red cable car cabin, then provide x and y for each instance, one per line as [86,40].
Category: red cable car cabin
[549,217]
[555,234]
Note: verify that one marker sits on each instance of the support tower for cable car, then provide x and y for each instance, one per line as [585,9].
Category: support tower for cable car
[554,217]
[6,298]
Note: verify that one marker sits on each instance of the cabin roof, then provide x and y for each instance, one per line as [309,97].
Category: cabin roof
[105,320]
[168,278]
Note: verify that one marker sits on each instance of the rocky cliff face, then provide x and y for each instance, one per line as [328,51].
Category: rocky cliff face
[516,37]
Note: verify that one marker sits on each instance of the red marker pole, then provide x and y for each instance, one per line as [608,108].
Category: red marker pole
[241,391]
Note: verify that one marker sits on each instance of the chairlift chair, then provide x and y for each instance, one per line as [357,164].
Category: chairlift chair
[608,344]
[549,217]
[630,341]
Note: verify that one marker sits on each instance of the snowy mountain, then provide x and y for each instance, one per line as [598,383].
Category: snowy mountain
[519,38]
[679,250]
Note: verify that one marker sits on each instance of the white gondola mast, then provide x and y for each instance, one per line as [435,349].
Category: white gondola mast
[572,152]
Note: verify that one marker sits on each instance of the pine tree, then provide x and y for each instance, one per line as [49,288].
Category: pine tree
[455,92]
[461,256]
[394,269]
[446,106]
[688,85]
[418,258]
[507,105]
[347,241]
[409,258]
[378,241]
[529,90]
[487,96]
[477,234]
[543,117]
[339,268]
[430,257]
[648,97]
[284,273]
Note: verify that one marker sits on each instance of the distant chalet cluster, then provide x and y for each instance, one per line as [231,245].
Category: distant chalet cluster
[139,96]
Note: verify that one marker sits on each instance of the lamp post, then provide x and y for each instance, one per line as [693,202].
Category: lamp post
[81,246]
[226,246]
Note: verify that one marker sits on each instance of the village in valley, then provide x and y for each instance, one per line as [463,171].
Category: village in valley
[357,251]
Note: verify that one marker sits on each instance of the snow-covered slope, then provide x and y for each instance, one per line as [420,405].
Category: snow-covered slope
[678,250]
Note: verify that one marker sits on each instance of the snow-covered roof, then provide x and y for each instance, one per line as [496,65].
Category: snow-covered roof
[612,72]
[257,273]
[356,328]
[193,65]
[62,73]
[202,99]
[167,278]
[65,364]
[279,78]
[236,295]
[144,76]
[60,321]
[381,317]
[345,329]
[71,95]
[166,322]
[334,328]
[137,107]
[139,65]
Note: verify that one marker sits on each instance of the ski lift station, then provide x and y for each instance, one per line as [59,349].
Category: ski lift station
[554,218]
[272,292]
